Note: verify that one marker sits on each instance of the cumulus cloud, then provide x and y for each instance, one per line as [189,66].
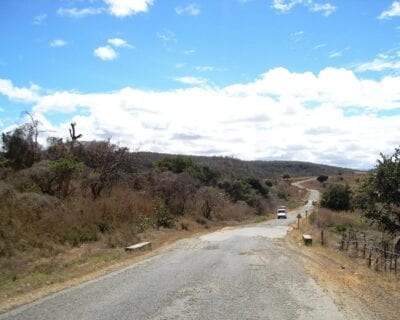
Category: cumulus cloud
[105,53]
[285,6]
[191,9]
[123,8]
[393,11]
[30,94]
[58,43]
[279,115]
[118,42]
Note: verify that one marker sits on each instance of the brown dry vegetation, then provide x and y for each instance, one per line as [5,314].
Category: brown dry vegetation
[34,272]
[72,208]
[345,274]
[357,289]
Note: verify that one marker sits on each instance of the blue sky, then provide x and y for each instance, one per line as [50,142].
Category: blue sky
[309,80]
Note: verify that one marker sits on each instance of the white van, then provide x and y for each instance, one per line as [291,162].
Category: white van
[281,213]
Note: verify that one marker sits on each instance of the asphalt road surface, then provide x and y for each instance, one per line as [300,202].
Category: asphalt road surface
[244,273]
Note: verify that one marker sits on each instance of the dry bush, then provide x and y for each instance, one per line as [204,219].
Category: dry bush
[122,211]
[238,211]
[210,202]
[337,221]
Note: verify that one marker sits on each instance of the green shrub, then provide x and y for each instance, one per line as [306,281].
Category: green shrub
[144,222]
[80,234]
[337,197]
[176,164]
[268,183]
[162,214]
[322,178]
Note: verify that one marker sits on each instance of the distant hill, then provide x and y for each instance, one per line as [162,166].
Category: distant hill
[260,169]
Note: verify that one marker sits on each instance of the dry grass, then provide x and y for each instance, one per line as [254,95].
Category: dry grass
[350,179]
[357,289]
[45,242]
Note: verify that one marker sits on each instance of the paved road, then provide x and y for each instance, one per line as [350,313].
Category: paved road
[244,273]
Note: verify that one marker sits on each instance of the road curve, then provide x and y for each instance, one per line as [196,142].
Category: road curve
[243,273]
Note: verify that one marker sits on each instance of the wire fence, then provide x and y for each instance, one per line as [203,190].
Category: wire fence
[380,254]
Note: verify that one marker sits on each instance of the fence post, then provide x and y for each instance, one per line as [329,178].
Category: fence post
[370,259]
[365,246]
[342,243]
[322,238]
[356,239]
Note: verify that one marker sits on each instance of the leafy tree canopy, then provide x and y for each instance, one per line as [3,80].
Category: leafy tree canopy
[322,178]
[337,197]
[379,195]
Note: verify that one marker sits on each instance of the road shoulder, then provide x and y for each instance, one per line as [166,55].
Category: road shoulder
[359,292]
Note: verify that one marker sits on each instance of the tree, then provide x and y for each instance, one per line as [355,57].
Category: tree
[286,176]
[322,178]
[176,164]
[21,146]
[211,201]
[17,148]
[337,197]
[379,195]
[64,170]
[258,185]
[107,161]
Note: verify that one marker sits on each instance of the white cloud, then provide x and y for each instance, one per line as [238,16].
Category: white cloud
[79,13]
[280,115]
[194,81]
[393,11]
[285,6]
[297,36]
[378,65]
[189,52]
[58,43]
[388,61]
[326,8]
[167,36]
[39,19]
[118,42]
[12,92]
[191,9]
[205,68]
[123,8]
[319,46]
[335,54]
[105,53]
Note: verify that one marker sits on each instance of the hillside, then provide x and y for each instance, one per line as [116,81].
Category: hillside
[259,169]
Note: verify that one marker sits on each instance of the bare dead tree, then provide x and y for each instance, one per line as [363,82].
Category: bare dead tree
[73,135]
